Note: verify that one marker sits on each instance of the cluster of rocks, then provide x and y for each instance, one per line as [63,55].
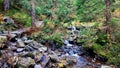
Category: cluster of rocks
[21,51]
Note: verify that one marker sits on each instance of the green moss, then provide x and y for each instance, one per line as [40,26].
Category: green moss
[22,17]
[97,47]
[54,37]
[102,38]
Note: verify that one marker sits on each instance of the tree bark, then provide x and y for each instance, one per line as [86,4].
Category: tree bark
[6,4]
[108,16]
[33,15]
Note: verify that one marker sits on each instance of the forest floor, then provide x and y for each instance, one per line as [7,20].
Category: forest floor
[19,50]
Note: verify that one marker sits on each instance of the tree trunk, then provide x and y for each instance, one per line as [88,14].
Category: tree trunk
[33,15]
[108,16]
[6,4]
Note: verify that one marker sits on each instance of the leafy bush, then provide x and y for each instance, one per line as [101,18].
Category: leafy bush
[102,38]
[114,55]
[87,35]
[23,18]
[54,37]
[115,24]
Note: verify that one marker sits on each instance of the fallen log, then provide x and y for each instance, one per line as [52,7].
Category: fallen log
[26,31]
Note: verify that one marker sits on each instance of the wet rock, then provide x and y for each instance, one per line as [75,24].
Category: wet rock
[71,58]
[53,60]
[105,66]
[38,57]
[37,66]
[28,41]
[9,54]
[42,49]
[18,32]
[67,43]
[3,38]
[20,49]
[24,38]
[20,43]
[54,56]
[6,65]
[81,62]
[8,19]
[44,60]
[29,48]
[26,61]
[36,43]
[31,55]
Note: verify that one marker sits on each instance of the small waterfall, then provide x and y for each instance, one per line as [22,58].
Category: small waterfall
[74,51]
[74,28]
[67,43]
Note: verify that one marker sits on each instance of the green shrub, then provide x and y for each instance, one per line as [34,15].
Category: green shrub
[114,55]
[102,38]
[115,28]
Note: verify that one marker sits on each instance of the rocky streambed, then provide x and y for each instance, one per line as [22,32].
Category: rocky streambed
[22,52]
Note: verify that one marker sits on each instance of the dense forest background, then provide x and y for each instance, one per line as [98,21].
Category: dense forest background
[97,20]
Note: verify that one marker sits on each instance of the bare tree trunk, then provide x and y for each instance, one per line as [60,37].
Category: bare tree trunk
[6,4]
[33,14]
[108,16]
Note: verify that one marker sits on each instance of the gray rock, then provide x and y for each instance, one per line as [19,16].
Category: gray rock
[37,55]
[26,61]
[36,43]
[6,65]
[44,60]
[20,49]
[3,38]
[105,66]
[42,49]
[20,31]
[20,43]
[54,55]
[38,66]
[69,45]
[71,58]
[28,41]
[8,19]
[39,24]
[24,38]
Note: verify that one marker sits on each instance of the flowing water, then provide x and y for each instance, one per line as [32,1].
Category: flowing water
[73,52]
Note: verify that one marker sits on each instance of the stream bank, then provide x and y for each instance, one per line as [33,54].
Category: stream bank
[21,51]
